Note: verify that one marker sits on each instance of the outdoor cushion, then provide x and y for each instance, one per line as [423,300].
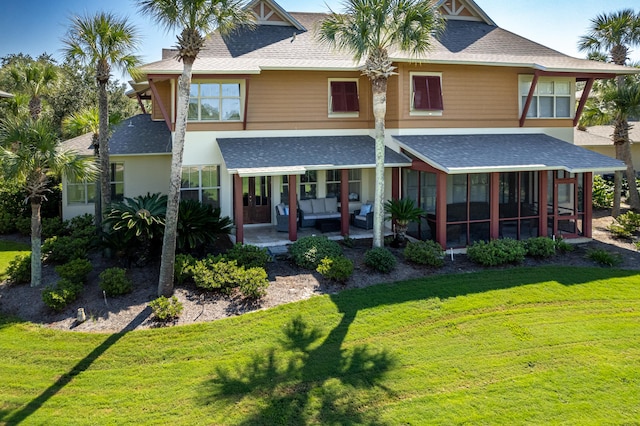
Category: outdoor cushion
[366,208]
[281,209]
[331,204]
[317,204]
[305,206]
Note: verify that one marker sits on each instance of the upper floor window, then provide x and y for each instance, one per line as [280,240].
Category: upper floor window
[201,183]
[426,94]
[552,97]
[343,97]
[215,101]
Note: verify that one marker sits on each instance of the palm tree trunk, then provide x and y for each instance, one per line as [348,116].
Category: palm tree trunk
[165,281]
[379,91]
[36,241]
[105,169]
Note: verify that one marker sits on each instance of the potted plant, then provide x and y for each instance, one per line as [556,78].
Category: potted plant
[402,212]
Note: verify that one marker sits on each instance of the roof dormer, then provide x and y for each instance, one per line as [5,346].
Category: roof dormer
[464,10]
[268,12]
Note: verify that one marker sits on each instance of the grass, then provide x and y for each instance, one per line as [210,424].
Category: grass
[534,345]
[8,251]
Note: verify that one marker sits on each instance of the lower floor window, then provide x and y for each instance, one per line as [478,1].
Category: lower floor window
[201,183]
[84,192]
[333,178]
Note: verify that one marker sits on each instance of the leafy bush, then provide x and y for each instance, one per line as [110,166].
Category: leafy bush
[427,253]
[63,249]
[52,226]
[59,296]
[23,225]
[540,247]
[336,268]
[7,222]
[625,225]
[604,257]
[19,269]
[200,225]
[564,247]
[496,252]
[165,309]
[75,270]
[307,252]
[114,281]
[248,256]
[602,197]
[81,226]
[183,267]
[215,273]
[253,282]
[380,259]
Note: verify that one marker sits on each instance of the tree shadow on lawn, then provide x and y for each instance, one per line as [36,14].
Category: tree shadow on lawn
[19,416]
[299,382]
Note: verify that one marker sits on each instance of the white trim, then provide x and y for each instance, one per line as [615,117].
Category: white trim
[524,83]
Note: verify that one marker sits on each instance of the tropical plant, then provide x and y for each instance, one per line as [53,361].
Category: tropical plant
[368,29]
[103,41]
[612,35]
[34,79]
[200,225]
[30,155]
[401,212]
[195,19]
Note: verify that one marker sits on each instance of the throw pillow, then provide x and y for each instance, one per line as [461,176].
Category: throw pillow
[365,209]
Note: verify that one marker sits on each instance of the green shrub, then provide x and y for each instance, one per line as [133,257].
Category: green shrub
[253,282]
[75,270]
[625,225]
[602,196]
[427,253]
[604,257]
[23,225]
[165,309]
[307,252]
[52,226]
[564,247]
[212,274]
[336,268]
[496,252]
[380,259]
[7,222]
[540,247]
[63,249]
[183,267]
[114,281]
[81,226]
[248,256]
[19,269]
[200,225]
[59,296]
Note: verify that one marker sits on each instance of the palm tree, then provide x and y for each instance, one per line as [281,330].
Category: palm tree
[103,41]
[196,18]
[35,80]
[29,155]
[368,29]
[612,35]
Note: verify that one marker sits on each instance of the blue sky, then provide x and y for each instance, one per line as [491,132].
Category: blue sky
[37,26]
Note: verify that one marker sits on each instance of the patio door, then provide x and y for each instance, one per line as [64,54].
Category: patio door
[567,215]
[256,199]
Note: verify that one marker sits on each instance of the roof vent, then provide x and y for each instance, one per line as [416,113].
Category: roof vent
[130,123]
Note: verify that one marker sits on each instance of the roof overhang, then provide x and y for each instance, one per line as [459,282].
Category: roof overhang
[494,153]
[295,155]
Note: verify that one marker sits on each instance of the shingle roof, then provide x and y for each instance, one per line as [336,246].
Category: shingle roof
[285,47]
[281,155]
[602,135]
[136,135]
[504,152]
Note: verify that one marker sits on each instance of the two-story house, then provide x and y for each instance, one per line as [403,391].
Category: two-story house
[479,131]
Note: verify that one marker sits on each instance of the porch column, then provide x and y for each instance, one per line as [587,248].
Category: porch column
[344,202]
[494,206]
[441,209]
[238,217]
[395,183]
[293,207]
[587,181]
[544,196]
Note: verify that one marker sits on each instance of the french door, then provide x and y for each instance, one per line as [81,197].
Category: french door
[256,199]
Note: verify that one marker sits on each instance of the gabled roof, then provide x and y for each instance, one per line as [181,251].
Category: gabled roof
[456,154]
[134,136]
[470,38]
[602,135]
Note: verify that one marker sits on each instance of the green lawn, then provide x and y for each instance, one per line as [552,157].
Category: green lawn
[522,346]
[8,251]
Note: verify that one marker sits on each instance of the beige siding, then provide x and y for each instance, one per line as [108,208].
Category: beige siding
[164,91]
